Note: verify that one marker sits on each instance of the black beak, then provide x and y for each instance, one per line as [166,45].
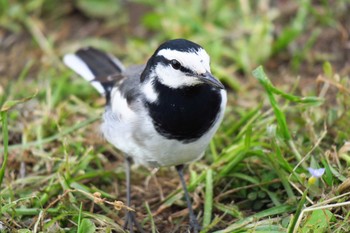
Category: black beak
[211,80]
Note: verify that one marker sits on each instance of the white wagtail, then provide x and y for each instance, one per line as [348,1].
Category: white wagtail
[163,113]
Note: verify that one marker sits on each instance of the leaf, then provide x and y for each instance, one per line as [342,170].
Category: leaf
[12,103]
[24,231]
[87,226]
[318,221]
[327,69]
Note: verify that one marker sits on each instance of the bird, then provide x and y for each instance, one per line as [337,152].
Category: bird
[160,114]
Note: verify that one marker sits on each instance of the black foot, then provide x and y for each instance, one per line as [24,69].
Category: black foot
[131,221]
[195,227]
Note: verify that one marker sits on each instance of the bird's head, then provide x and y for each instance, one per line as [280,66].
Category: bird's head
[180,63]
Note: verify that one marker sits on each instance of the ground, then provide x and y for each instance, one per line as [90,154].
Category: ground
[57,158]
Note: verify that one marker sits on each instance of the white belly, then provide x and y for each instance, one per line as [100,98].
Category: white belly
[147,147]
[135,135]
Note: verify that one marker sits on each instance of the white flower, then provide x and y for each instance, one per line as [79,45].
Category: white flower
[317,173]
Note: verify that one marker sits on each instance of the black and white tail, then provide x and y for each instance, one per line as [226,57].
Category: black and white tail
[96,67]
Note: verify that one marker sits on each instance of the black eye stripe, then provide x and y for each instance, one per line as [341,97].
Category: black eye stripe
[186,70]
[181,68]
[163,60]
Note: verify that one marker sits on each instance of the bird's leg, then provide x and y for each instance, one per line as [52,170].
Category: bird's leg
[193,220]
[130,216]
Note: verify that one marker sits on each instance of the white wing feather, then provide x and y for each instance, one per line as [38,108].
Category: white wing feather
[79,66]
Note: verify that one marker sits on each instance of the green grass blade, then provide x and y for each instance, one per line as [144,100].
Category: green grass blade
[297,212]
[229,209]
[310,100]
[87,226]
[293,31]
[246,119]
[265,213]
[12,103]
[31,211]
[208,204]
[6,141]
[150,216]
[280,172]
[79,217]
[280,117]
[54,137]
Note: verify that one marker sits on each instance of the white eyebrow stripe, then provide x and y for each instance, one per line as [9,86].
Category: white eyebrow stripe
[195,60]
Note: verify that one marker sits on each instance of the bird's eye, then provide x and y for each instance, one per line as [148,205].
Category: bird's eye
[175,64]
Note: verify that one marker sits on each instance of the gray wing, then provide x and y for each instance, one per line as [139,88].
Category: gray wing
[129,87]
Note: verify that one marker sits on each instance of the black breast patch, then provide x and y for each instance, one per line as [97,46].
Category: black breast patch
[184,114]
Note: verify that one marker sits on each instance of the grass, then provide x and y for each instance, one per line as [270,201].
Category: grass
[5,145]
[59,175]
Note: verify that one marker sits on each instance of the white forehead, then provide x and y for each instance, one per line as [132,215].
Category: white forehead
[195,60]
